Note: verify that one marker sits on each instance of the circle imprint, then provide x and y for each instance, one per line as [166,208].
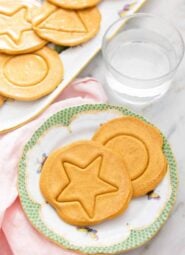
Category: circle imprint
[25,70]
[133,151]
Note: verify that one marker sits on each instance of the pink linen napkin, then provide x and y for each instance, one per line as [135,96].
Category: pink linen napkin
[17,236]
[4,247]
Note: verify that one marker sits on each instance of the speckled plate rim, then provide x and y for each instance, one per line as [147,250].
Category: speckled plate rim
[136,237]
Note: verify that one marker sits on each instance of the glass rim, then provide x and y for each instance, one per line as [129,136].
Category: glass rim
[150,16]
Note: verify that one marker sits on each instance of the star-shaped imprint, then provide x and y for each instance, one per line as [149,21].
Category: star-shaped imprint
[85,185]
[15,24]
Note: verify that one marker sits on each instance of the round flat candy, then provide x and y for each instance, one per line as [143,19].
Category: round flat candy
[30,76]
[140,146]
[86,183]
[75,4]
[16,33]
[66,27]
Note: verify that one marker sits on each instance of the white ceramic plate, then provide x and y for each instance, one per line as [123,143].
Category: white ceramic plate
[14,113]
[142,220]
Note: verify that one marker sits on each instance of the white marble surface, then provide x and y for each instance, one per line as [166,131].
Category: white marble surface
[169,115]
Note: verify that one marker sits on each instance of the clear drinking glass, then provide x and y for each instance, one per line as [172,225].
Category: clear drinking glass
[141,54]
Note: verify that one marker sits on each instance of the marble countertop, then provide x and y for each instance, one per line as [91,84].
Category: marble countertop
[169,115]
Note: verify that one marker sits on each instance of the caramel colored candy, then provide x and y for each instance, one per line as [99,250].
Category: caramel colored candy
[86,183]
[16,33]
[140,146]
[2,100]
[75,4]
[30,76]
[66,27]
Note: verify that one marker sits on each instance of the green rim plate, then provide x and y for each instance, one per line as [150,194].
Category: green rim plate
[136,237]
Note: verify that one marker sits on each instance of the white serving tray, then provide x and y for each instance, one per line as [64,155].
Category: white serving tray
[14,114]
